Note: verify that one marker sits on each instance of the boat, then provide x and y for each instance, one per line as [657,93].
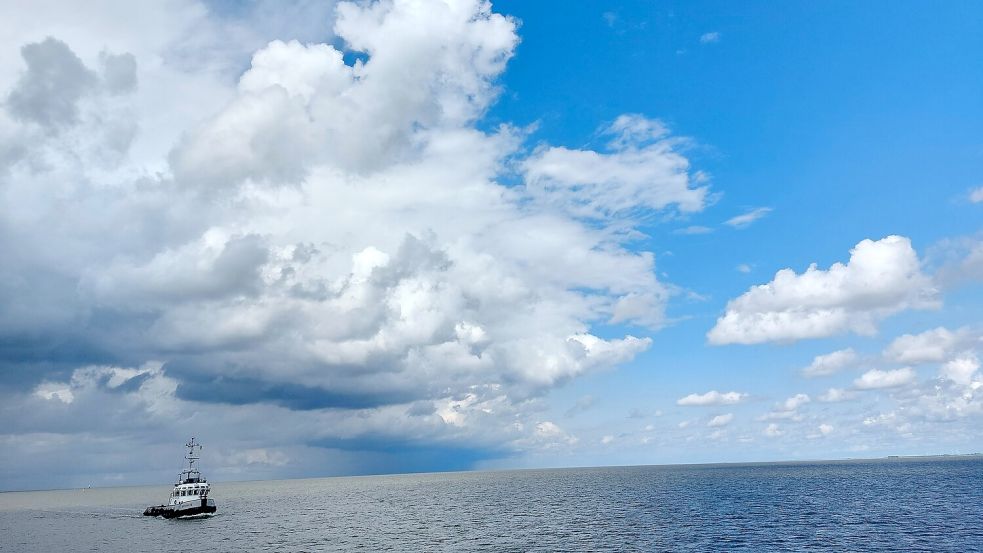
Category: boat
[189,498]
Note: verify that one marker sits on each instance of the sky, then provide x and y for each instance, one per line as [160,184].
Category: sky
[334,238]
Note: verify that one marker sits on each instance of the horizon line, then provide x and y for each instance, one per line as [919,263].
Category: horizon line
[939,456]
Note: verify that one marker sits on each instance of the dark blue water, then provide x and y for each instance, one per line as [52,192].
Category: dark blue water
[890,505]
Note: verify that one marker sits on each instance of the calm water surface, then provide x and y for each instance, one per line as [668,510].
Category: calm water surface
[890,505]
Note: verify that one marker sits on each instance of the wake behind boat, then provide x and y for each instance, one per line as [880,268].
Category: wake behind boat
[190,495]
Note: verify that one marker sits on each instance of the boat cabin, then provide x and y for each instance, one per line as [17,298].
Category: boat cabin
[189,491]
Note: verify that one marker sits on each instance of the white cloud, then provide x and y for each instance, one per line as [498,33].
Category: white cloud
[55,391]
[712,397]
[794,402]
[772,431]
[930,346]
[693,229]
[642,169]
[881,278]
[744,268]
[976,195]
[547,434]
[721,420]
[710,38]
[745,220]
[962,369]
[830,363]
[876,379]
[835,395]
[889,418]
[957,394]
[825,429]
[788,409]
[145,386]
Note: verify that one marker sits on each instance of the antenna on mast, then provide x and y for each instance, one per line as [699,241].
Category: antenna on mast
[191,452]
[191,474]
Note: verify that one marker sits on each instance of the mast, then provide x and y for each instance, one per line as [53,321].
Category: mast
[191,474]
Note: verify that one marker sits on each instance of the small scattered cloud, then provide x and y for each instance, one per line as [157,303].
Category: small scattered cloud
[825,429]
[889,418]
[721,420]
[745,220]
[836,395]
[794,402]
[610,18]
[772,431]
[743,268]
[710,38]
[712,397]
[976,195]
[694,229]
[876,379]
[788,409]
[830,363]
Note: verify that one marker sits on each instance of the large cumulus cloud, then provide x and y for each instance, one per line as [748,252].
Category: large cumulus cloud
[332,246]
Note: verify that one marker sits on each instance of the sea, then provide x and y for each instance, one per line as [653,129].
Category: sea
[898,504]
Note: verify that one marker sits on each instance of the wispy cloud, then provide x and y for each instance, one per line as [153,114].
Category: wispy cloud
[745,220]
[721,420]
[710,38]
[976,195]
[830,363]
[876,379]
[582,405]
[694,229]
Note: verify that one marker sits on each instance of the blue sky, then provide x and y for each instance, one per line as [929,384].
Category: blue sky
[416,235]
[848,121]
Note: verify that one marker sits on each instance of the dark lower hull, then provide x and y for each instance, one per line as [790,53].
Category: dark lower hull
[182,510]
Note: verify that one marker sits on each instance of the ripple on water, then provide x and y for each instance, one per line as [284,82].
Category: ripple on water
[912,505]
